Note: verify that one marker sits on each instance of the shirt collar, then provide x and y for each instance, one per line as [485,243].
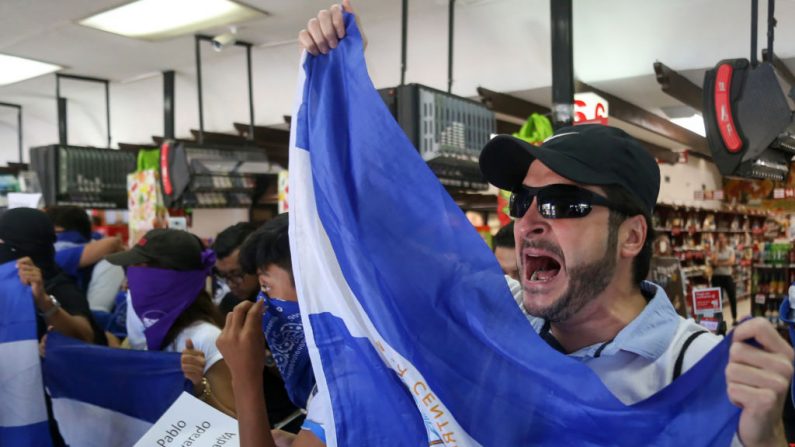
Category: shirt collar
[648,335]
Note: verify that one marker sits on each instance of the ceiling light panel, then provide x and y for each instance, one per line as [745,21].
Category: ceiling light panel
[17,69]
[163,19]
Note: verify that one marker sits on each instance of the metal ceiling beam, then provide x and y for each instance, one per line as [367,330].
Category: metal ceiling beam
[509,105]
[679,87]
[513,106]
[632,114]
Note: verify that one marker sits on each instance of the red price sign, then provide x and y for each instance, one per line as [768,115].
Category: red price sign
[707,301]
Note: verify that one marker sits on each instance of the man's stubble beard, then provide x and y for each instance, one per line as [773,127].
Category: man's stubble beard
[586,281]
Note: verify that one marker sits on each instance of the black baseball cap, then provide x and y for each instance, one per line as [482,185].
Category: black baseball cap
[163,248]
[589,154]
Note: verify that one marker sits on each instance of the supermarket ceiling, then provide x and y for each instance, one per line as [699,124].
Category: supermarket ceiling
[500,44]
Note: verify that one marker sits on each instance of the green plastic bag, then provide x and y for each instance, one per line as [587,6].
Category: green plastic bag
[148,159]
[536,129]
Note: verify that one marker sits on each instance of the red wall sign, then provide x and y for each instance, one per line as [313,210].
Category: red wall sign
[707,301]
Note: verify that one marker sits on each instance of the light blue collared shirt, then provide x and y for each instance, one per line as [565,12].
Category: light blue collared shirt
[640,360]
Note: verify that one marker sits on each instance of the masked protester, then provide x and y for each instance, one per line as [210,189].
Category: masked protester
[27,237]
[168,308]
[275,317]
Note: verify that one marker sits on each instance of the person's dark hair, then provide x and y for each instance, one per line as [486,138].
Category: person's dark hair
[504,238]
[232,238]
[618,195]
[270,244]
[70,218]
[202,309]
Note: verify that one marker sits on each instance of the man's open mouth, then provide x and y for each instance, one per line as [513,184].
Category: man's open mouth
[540,268]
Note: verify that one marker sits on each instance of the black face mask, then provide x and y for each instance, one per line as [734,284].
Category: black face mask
[28,232]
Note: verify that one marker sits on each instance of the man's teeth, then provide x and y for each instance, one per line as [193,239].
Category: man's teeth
[534,276]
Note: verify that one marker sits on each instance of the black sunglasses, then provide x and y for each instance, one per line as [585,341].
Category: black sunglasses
[557,201]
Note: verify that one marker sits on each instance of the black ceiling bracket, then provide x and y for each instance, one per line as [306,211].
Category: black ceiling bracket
[198,39]
[62,110]
[19,125]
[562,63]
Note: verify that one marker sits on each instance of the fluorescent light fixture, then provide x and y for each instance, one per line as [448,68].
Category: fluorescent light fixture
[162,19]
[693,123]
[17,69]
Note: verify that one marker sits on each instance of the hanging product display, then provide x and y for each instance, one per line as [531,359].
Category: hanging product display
[197,176]
[448,131]
[82,176]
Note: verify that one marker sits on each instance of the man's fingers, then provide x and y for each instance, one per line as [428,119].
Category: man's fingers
[745,396]
[234,319]
[307,43]
[26,268]
[239,315]
[746,354]
[317,35]
[327,28]
[193,362]
[337,21]
[228,322]
[763,332]
[254,315]
[189,344]
[755,377]
[193,356]
[346,5]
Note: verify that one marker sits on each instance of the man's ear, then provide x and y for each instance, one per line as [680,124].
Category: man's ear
[632,236]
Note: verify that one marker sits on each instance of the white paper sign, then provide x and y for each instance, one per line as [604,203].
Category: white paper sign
[178,223]
[24,200]
[190,422]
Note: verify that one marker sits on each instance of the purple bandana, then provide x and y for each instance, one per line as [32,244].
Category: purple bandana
[159,296]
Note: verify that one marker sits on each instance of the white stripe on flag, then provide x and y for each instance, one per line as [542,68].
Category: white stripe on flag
[21,390]
[87,425]
[305,307]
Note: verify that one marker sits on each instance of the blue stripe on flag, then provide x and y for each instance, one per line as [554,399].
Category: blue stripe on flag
[434,291]
[354,366]
[17,315]
[140,384]
[22,397]
[34,435]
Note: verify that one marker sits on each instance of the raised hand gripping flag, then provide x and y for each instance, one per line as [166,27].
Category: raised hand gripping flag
[23,414]
[414,335]
[105,397]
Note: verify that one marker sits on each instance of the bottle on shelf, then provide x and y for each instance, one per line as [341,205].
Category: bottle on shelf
[755,281]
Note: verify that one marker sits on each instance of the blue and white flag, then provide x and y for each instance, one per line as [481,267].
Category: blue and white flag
[23,414]
[105,397]
[414,335]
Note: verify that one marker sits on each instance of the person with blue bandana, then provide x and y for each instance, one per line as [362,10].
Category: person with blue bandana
[582,204]
[275,318]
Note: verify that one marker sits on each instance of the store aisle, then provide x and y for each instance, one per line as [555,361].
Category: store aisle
[743,309]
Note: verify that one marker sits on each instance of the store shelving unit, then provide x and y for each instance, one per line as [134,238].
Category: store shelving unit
[692,232]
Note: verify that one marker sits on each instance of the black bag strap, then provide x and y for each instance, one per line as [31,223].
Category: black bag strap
[681,358]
